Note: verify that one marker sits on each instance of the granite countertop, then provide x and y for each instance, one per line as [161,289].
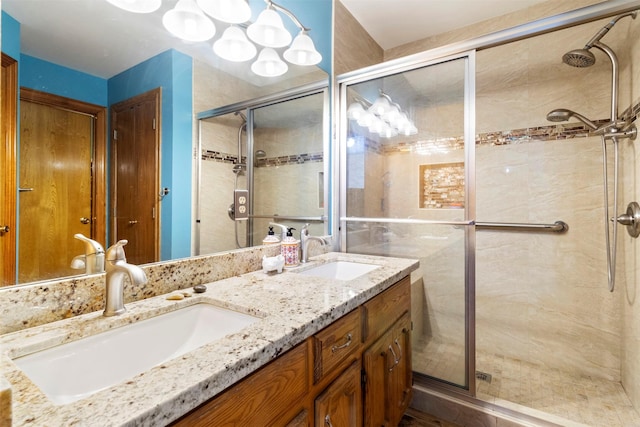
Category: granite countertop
[291,307]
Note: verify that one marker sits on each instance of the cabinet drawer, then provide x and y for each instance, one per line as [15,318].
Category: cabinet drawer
[260,398]
[334,344]
[383,310]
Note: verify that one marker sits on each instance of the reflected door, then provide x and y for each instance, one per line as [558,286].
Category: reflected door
[55,189]
[136,148]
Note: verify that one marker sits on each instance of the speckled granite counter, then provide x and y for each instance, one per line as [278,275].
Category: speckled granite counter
[292,307]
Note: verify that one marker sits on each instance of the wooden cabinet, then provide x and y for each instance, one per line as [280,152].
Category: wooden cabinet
[355,371]
[340,404]
[388,375]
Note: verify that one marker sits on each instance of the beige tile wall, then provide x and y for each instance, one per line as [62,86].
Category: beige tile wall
[353,47]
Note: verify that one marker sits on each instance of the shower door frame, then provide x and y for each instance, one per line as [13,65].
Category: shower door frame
[382,71]
[431,57]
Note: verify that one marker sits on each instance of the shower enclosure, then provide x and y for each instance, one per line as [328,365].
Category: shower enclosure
[272,147]
[511,308]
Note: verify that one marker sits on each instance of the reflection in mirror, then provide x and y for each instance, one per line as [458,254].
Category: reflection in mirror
[93,52]
[276,153]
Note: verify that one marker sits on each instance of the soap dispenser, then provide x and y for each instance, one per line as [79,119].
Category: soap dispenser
[290,249]
[270,238]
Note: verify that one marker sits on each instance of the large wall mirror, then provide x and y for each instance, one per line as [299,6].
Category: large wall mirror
[91,79]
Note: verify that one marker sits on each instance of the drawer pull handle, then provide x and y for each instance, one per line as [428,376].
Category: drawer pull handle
[327,420]
[345,345]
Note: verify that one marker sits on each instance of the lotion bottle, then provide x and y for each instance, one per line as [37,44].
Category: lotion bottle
[290,249]
[270,238]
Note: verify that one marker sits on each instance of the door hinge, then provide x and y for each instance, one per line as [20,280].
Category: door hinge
[115,134]
[154,123]
[153,212]
[363,377]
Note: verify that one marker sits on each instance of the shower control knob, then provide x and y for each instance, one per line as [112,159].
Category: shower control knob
[631,219]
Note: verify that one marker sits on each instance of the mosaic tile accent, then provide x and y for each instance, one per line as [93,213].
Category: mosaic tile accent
[442,186]
[216,156]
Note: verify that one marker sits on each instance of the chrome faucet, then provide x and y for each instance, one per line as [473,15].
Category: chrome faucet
[93,259]
[305,238]
[117,267]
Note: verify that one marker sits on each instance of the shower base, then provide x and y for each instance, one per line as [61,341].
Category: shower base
[531,389]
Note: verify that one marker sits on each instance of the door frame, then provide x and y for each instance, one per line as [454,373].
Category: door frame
[8,163]
[99,160]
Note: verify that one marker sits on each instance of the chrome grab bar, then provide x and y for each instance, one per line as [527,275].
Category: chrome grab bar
[556,227]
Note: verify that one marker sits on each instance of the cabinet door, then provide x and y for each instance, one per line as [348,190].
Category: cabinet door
[387,366]
[339,405]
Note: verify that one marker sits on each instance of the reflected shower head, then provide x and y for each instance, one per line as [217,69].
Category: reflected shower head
[562,115]
[261,153]
[580,58]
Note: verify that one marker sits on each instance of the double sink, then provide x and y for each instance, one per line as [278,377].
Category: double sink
[80,368]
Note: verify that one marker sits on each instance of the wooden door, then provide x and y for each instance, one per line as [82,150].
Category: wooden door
[55,189]
[136,172]
[8,186]
[340,405]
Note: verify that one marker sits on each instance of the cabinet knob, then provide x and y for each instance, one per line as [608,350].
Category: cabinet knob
[4,228]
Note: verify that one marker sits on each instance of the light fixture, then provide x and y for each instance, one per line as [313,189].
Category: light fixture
[302,51]
[230,11]
[137,6]
[269,64]
[234,46]
[383,117]
[268,30]
[188,22]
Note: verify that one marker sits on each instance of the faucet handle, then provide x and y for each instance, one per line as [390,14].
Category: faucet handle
[91,246]
[116,252]
[305,230]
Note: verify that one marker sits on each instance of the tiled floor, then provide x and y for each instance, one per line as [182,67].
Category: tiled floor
[520,385]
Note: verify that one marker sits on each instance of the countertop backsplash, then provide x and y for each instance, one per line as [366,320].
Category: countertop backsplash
[35,304]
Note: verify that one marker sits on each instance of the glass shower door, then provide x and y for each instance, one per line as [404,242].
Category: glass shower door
[408,185]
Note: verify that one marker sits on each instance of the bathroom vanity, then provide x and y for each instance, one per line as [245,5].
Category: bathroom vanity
[319,349]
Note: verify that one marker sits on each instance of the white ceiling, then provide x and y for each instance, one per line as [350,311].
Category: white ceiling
[95,37]
[393,23]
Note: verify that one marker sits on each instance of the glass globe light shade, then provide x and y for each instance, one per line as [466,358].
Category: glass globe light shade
[366,119]
[380,106]
[355,111]
[268,30]
[302,51]
[269,64]
[234,46]
[186,21]
[137,6]
[230,11]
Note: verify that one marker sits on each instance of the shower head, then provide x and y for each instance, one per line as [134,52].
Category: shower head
[242,116]
[261,153]
[580,58]
[562,115]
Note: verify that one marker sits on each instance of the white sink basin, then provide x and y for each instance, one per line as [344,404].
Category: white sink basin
[78,369]
[340,270]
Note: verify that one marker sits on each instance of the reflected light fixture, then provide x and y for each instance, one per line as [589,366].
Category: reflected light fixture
[383,117]
[269,64]
[234,46]
[137,6]
[188,22]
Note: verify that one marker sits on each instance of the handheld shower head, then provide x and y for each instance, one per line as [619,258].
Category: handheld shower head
[562,115]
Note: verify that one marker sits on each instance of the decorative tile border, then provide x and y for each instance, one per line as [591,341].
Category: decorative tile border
[292,159]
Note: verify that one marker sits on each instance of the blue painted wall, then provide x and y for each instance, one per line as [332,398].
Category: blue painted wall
[172,71]
[48,77]
[10,36]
